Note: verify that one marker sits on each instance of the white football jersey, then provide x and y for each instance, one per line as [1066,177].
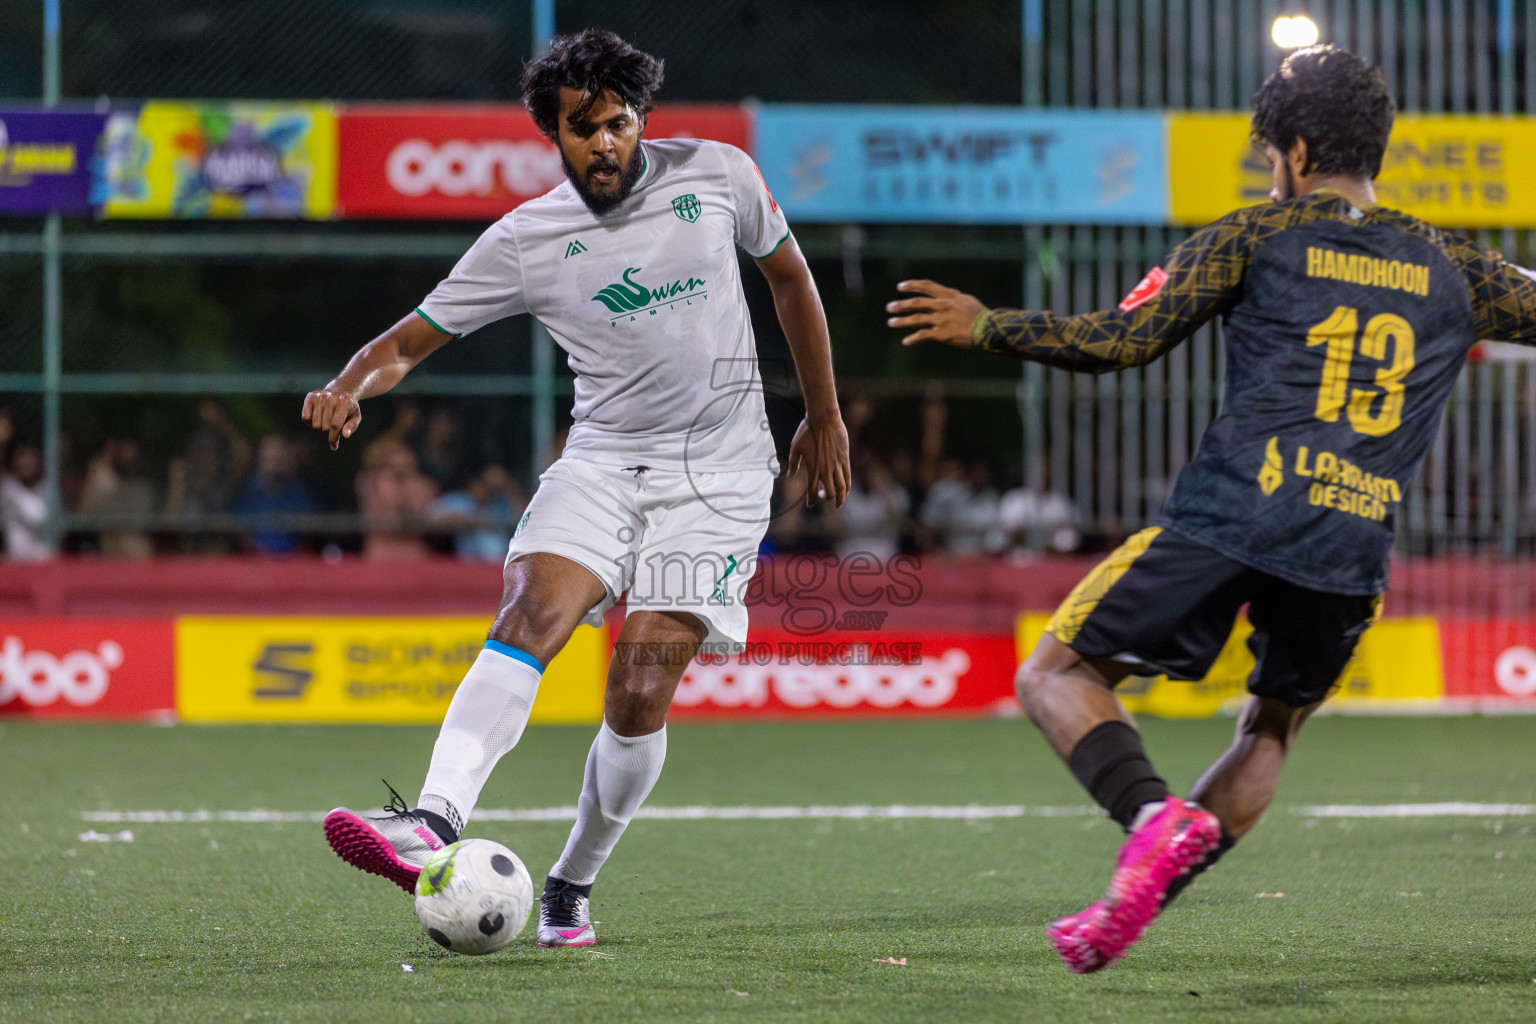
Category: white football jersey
[647,303]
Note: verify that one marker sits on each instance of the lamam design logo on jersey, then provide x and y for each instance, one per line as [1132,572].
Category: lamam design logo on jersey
[628,298]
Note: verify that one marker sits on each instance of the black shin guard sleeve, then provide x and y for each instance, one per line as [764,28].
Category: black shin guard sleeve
[1112,766]
[1228,840]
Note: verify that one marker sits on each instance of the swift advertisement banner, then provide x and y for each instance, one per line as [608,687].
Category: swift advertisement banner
[222,160]
[964,164]
[782,674]
[359,670]
[86,668]
[46,161]
[1456,171]
[474,162]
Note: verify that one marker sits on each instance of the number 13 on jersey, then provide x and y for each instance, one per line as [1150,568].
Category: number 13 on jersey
[1385,334]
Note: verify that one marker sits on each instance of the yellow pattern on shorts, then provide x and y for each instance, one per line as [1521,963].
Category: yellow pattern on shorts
[1085,597]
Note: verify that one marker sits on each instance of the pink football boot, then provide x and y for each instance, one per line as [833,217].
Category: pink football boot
[1172,841]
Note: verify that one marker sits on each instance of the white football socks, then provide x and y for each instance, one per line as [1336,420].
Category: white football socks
[621,770]
[485,720]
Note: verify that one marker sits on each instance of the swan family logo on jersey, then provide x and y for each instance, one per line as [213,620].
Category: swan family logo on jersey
[629,298]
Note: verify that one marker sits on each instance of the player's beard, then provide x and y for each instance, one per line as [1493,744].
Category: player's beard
[600,203]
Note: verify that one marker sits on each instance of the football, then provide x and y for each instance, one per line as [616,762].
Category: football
[473,897]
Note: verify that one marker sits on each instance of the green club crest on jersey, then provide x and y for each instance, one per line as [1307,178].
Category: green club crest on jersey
[437,872]
[687,207]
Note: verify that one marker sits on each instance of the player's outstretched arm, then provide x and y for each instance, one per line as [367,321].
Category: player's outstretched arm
[377,367]
[821,443]
[1203,274]
[1504,300]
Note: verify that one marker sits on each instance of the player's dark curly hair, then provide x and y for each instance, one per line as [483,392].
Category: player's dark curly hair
[591,60]
[1335,101]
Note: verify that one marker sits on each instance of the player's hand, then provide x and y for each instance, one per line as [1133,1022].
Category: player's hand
[938,314]
[823,451]
[333,411]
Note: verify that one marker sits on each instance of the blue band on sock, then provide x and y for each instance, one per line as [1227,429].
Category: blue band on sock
[515,654]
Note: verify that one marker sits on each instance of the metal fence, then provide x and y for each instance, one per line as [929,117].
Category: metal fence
[1112,443]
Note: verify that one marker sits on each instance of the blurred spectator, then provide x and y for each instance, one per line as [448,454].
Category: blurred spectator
[439,450]
[275,489]
[873,515]
[961,506]
[1028,520]
[117,489]
[393,495]
[206,479]
[23,509]
[858,410]
[7,435]
[482,514]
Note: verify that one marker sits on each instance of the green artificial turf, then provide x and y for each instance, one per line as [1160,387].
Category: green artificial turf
[1381,920]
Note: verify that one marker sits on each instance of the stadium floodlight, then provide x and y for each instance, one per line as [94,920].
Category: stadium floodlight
[1294,32]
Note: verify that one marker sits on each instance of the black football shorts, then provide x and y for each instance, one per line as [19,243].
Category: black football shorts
[1165,605]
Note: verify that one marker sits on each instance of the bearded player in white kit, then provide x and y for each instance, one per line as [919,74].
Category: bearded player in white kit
[663,489]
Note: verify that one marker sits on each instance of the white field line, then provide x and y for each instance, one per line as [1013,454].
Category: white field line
[893,811]
[821,813]
[1443,810]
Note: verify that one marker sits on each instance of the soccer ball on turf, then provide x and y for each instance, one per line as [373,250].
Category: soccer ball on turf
[473,897]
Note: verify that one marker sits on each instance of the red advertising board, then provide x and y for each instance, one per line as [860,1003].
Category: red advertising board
[910,674]
[1491,660]
[473,162]
[87,668]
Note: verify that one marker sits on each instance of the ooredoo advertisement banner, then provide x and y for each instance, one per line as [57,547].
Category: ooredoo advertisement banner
[1490,661]
[46,161]
[474,162]
[222,160]
[87,668]
[784,674]
[402,670]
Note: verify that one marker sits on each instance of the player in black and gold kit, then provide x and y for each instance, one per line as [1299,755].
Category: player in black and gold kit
[1345,327]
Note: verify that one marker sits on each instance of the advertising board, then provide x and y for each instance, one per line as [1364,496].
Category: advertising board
[1461,171]
[87,668]
[1397,664]
[783,674]
[401,670]
[222,160]
[964,164]
[47,159]
[474,162]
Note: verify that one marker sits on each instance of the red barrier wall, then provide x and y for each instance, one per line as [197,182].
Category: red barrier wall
[937,594]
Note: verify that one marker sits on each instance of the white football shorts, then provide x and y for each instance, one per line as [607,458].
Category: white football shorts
[670,540]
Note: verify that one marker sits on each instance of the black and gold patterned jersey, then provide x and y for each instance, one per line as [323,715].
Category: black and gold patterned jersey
[1344,330]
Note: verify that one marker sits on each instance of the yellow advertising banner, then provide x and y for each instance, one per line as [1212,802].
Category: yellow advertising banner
[1459,172]
[222,160]
[1397,660]
[359,670]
